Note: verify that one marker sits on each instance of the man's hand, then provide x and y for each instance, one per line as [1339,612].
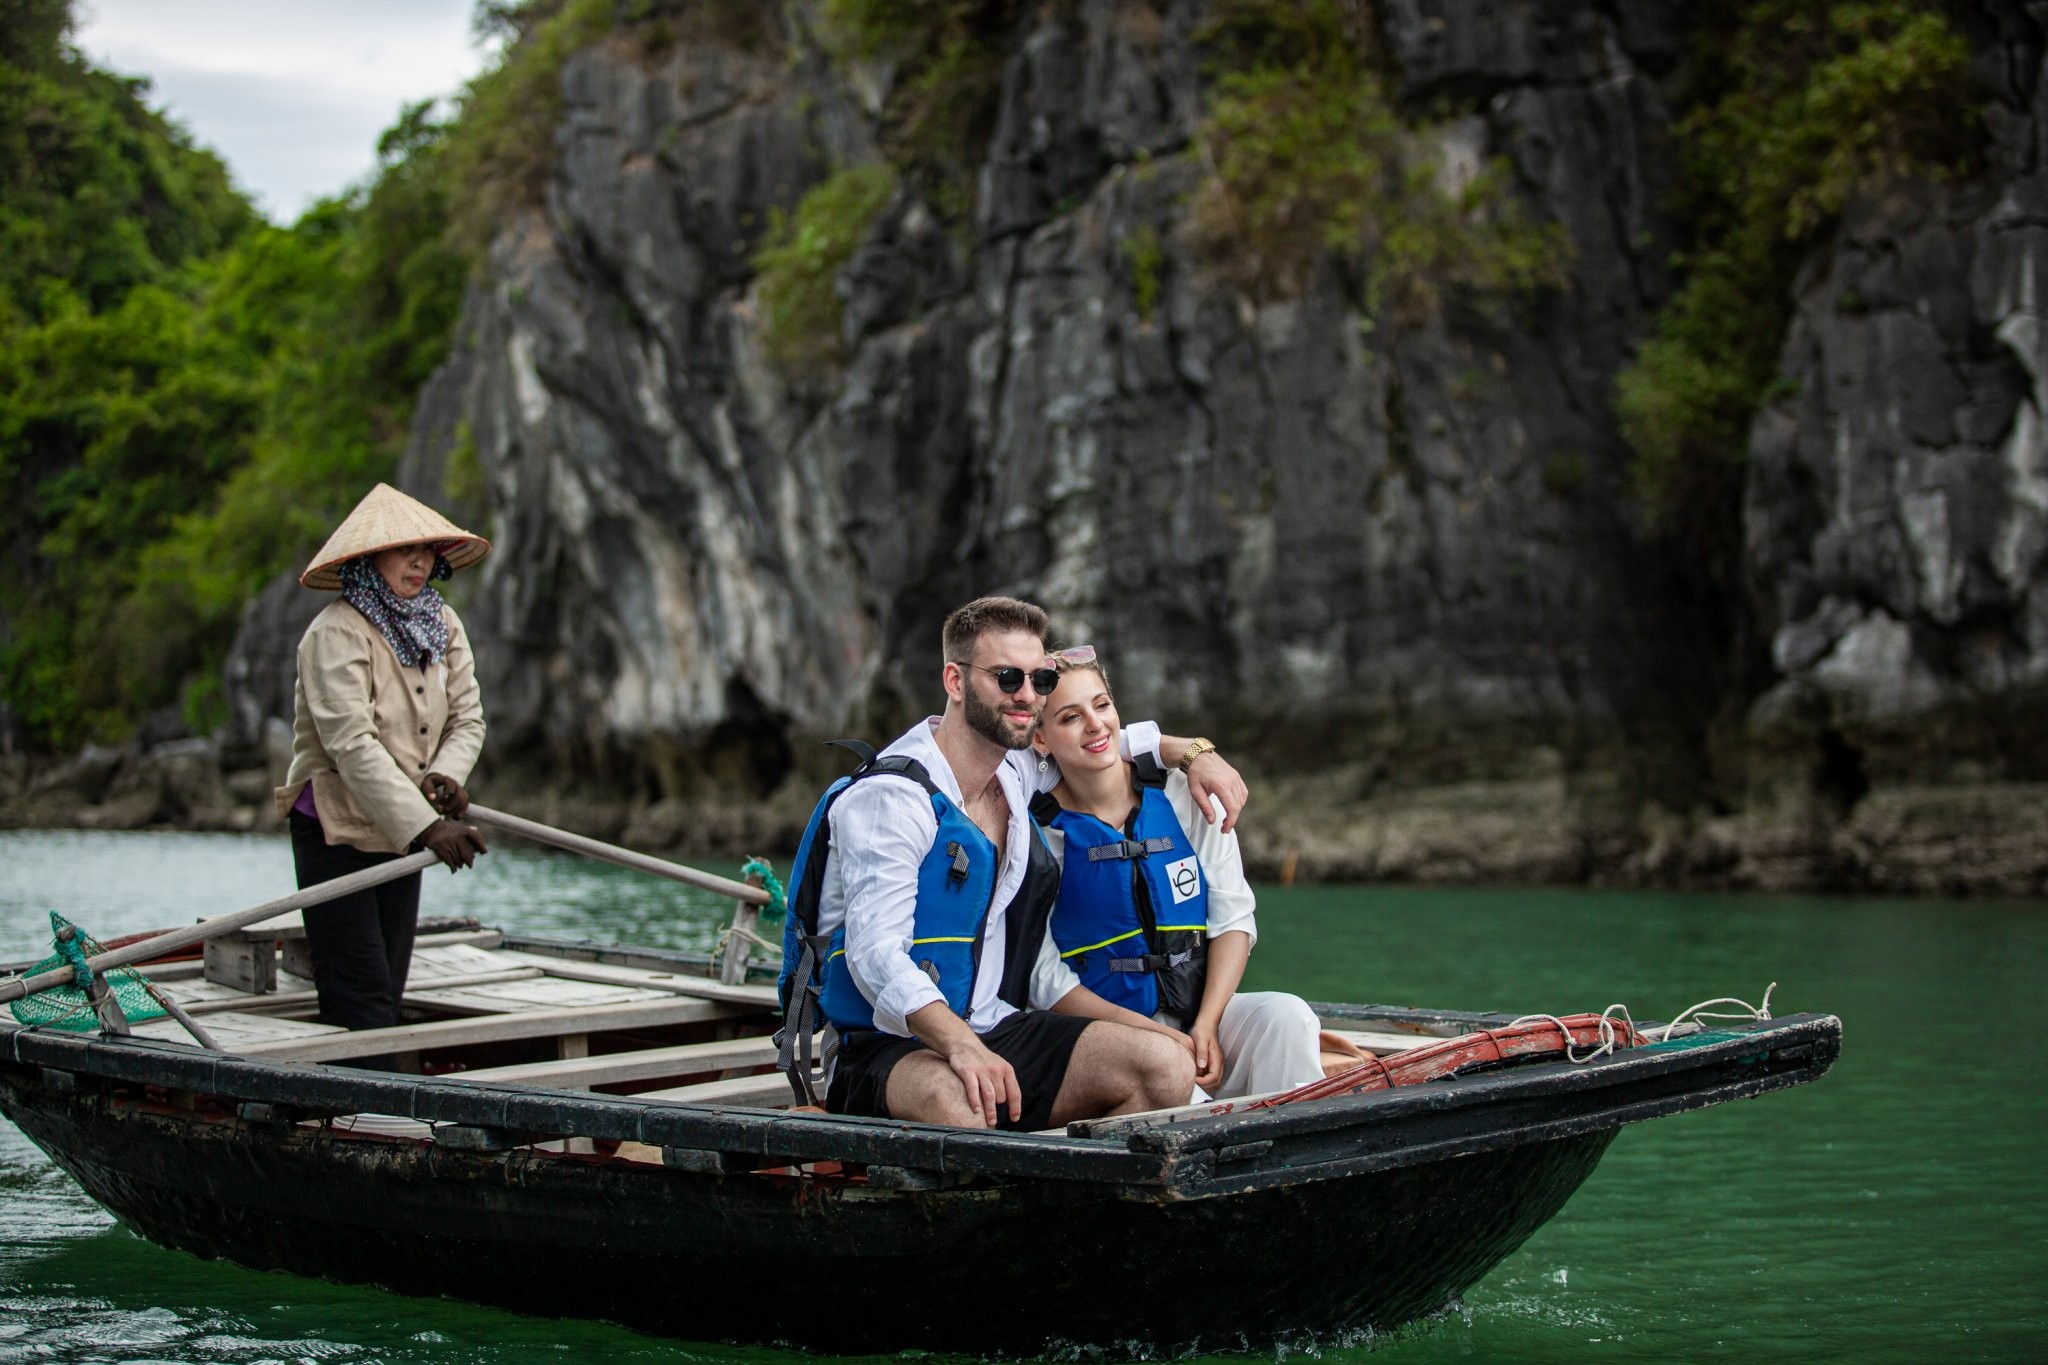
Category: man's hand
[988,1081]
[453,842]
[446,794]
[1210,776]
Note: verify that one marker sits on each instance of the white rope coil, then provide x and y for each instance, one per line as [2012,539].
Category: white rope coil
[1696,1015]
[1701,1012]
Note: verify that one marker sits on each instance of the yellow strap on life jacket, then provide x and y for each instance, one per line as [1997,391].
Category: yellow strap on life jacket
[1104,944]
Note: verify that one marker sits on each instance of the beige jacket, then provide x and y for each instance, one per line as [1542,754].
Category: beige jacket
[365,730]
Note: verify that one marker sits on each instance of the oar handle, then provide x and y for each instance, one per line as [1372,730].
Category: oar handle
[15,987]
[612,853]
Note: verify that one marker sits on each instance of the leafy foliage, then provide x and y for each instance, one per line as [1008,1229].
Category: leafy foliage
[1810,101]
[797,266]
[1309,157]
[185,400]
[97,193]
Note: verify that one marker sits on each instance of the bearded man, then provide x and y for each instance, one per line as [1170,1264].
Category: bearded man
[935,897]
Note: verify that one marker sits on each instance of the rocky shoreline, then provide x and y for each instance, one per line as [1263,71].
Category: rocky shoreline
[1539,828]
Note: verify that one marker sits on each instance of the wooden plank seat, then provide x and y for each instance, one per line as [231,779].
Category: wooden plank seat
[767,1092]
[772,1090]
[624,1068]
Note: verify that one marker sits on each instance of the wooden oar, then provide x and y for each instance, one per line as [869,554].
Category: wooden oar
[612,853]
[15,987]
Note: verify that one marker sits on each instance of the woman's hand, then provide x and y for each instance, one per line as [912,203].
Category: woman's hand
[446,794]
[1208,1055]
[453,842]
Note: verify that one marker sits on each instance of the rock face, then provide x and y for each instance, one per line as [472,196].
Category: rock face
[1268,513]
[670,560]
[1897,509]
[1390,560]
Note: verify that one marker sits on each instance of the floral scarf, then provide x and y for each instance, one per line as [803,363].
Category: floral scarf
[416,629]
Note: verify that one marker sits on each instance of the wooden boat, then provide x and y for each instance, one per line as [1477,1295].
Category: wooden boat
[598,1131]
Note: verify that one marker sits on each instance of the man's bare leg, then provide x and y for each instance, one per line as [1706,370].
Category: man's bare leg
[923,1089]
[1117,1069]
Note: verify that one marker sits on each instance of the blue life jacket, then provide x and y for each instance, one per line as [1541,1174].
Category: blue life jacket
[955,892]
[1132,918]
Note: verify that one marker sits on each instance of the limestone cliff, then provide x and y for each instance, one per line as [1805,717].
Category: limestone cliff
[1389,560]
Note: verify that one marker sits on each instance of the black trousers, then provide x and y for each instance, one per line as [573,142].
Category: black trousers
[361,944]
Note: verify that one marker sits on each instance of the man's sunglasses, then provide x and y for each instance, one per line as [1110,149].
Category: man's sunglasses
[1010,677]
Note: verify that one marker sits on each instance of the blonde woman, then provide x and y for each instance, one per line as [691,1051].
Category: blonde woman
[386,725]
[1154,921]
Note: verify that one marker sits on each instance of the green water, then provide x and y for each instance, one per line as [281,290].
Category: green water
[1895,1211]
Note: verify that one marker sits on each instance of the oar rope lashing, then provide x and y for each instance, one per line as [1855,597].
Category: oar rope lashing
[778,899]
[771,913]
[70,1007]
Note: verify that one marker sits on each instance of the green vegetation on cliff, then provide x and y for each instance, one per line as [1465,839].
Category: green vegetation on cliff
[1309,160]
[504,149]
[1796,105]
[801,257]
[941,102]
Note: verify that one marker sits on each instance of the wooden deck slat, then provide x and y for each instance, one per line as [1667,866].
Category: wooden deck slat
[552,1023]
[529,992]
[247,1033]
[160,972]
[674,982]
[432,961]
[621,1068]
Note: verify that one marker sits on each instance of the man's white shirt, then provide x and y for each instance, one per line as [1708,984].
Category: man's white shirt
[882,828]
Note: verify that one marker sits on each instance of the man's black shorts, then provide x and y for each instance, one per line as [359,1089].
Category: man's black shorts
[1038,1047]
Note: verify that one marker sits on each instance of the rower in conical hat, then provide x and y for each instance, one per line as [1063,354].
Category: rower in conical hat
[387,723]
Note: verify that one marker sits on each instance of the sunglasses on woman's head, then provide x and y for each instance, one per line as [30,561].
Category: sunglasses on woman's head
[1078,656]
[1010,677]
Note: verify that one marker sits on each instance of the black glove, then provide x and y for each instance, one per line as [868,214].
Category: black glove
[446,793]
[453,842]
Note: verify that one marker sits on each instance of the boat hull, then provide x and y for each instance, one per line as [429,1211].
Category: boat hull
[1011,1267]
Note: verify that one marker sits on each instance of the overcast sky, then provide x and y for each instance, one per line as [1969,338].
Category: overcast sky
[291,93]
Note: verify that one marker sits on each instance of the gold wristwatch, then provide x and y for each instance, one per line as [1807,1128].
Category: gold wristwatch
[1196,748]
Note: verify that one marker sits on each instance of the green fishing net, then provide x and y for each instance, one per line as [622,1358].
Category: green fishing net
[67,1007]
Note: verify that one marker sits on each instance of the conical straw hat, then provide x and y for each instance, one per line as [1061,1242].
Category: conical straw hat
[384,519]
